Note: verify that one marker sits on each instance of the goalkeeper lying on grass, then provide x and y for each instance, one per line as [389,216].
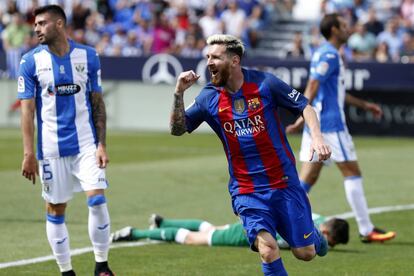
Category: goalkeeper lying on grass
[199,232]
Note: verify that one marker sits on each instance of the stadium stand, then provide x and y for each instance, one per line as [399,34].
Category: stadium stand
[270,28]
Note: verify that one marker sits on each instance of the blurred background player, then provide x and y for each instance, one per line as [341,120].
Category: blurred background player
[240,105]
[199,232]
[326,91]
[60,79]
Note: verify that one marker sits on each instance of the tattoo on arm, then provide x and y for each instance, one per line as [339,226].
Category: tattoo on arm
[177,122]
[99,116]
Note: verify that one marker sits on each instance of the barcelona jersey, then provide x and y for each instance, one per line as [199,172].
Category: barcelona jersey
[61,87]
[248,125]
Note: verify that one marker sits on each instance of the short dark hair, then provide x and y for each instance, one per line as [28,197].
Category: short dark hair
[338,230]
[52,9]
[329,21]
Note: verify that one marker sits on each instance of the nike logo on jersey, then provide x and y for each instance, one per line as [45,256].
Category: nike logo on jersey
[305,236]
[103,227]
[61,241]
[224,108]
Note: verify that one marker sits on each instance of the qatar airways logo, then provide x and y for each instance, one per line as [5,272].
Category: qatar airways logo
[246,126]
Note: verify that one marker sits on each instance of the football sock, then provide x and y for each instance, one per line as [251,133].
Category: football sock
[274,268]
[190,224]
[306,186]
[58,237]
[99,227]
[161,234]
[354,191]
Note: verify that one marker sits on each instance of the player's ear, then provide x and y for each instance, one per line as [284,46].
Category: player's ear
[235,60]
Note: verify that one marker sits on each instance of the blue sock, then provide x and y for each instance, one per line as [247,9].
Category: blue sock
[274,268]
[305,186]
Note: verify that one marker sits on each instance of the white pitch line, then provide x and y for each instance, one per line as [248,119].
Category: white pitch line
[80,251]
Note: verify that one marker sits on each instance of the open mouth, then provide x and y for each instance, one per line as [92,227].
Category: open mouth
[213,72]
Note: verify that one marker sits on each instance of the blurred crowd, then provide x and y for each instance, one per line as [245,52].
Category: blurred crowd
[382,30]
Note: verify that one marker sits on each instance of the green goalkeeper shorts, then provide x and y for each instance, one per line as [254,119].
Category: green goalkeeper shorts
[232,236]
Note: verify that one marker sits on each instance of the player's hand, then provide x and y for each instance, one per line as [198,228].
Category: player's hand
[30,167]
[322,150]
[375,109]
[102,158]
[185,80]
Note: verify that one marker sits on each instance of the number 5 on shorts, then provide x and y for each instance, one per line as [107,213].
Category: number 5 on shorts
[47,173]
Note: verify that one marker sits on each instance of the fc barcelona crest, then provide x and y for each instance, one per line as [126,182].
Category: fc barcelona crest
[253,104]
[239,106]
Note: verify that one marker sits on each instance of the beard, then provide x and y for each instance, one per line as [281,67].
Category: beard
[220,78]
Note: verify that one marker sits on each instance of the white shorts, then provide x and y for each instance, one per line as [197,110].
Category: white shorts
[340,142]
[63,176]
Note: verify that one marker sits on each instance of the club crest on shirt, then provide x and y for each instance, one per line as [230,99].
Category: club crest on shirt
[239,106]
[253,104]
[80,67]
[62,69]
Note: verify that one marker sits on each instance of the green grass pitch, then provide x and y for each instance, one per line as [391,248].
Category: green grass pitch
[186,177]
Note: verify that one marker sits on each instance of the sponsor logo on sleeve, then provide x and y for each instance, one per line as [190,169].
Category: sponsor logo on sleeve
[294,95]
[322,68]
[20,85]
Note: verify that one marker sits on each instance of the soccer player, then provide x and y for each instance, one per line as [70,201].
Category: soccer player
[60,81]
[241,106]
[199,232]
[326,91]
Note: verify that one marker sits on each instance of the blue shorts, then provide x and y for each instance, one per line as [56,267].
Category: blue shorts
[284,211]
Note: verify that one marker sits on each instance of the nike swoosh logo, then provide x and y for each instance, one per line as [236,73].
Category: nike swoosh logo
[224,108]
[103,227]
[305,236]
[61,241]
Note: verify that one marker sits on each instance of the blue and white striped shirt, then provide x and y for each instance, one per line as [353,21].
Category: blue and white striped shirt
[61,87]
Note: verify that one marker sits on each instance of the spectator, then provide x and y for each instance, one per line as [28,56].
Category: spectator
[189,49]
[209,23]
[233,19]
[407,11]
[131,47]
[407,51]
[382,53]
[254,26]
[392,38]
[362,43]
[295,49]
[372,24]
[164,35]
[15,39]
[145,35]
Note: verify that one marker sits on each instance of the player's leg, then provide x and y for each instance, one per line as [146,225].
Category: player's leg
[309,172]
[58,236]
[269,254]
[260,230]
[157,221]
[294,219]
[57,189]
[91,179]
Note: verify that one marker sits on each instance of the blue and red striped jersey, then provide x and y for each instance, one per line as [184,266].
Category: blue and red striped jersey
[247,123]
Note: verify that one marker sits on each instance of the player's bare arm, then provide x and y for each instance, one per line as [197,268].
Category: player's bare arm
[29,164]
[318,144]
[310,93]
[177,120]
[375,109]
[99,120]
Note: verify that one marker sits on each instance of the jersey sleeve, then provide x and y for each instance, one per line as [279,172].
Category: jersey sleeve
[285,96]
[26,82]
[95,72]
[322,68]
[194,115]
